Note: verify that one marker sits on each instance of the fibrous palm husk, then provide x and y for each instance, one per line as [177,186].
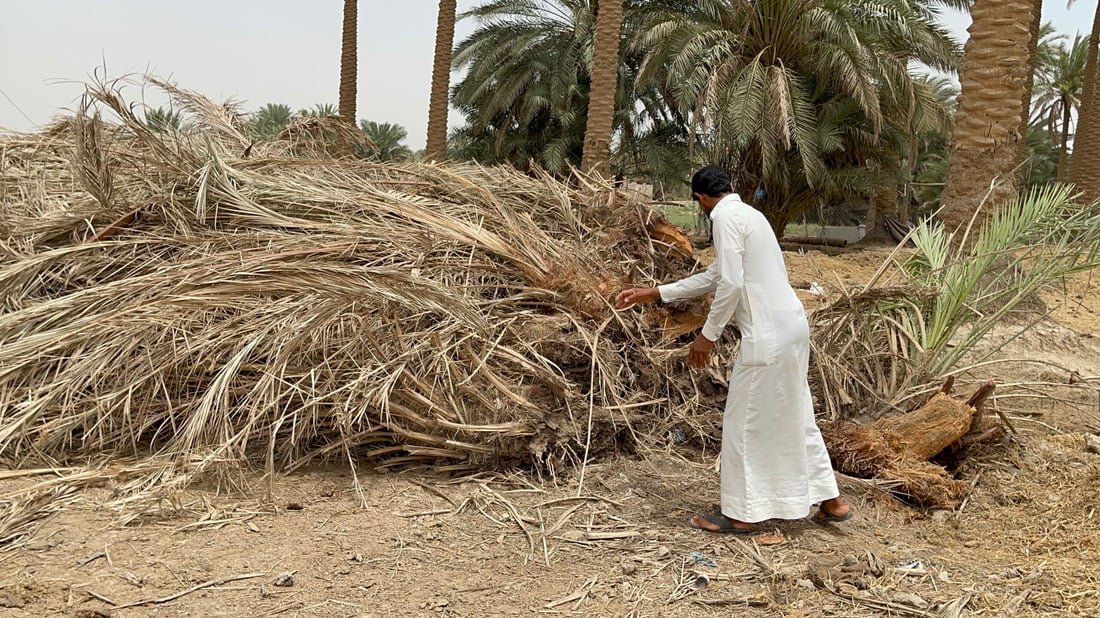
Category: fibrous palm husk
[900,447]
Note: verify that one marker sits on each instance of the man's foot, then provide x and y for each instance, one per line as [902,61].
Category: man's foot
[719,523]
[833,509]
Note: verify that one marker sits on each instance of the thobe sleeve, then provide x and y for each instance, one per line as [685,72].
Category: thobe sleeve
[729,244]
[693,286]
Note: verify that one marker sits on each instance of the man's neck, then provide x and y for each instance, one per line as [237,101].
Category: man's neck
[716,201]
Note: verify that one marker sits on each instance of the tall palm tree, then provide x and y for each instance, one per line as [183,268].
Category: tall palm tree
[1057,93]
[527,80]
[441,77]
[987,144]
[778,84]
[348,56]
[1037,32]
[913,144]
[1084,169]
[605,75]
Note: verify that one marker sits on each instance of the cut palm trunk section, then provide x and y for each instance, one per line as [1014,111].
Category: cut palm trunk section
[899,449]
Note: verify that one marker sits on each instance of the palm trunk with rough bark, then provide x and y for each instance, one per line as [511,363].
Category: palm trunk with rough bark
[1062,159]
[441,80]
[1084,168]
[883,203]
[348,69]
[987,144]
[601,99]
[1032,48]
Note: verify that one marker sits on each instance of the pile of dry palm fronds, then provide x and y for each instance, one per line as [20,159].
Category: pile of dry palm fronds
[196,294]
[207,298]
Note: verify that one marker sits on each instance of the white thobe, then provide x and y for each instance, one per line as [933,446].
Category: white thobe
[774,463]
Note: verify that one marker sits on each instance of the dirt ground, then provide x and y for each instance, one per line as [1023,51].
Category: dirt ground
[612,540]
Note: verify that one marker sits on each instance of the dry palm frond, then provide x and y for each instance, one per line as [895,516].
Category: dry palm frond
[866,351]
[20,515]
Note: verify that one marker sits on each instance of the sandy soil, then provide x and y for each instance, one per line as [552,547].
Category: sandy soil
[1076,304]
[1025,543]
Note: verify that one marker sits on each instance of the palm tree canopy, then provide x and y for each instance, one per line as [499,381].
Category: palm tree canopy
[1059,80]
[528,77]
[801,96]
[164,120]
[527,72]
[786,87]
[270,119]
[320,110]
[388,139]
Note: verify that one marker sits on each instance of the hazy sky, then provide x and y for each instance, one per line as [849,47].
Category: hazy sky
[259,51]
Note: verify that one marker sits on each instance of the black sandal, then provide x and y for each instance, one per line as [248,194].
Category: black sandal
[823,516]
[723,523]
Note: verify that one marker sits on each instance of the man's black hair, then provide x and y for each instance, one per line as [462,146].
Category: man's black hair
[712,181]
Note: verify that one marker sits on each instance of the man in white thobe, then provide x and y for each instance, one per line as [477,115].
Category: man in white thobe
[774,463]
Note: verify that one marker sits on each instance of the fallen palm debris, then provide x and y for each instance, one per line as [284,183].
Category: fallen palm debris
[206,298]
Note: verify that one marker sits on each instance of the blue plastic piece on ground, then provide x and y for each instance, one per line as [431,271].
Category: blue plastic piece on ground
[703,560]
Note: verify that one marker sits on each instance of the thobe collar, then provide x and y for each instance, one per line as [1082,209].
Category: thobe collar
[731,197]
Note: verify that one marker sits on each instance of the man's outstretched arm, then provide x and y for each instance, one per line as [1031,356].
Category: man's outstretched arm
[691,287]
[694,286]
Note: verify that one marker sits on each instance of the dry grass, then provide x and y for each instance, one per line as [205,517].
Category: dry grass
[864,357]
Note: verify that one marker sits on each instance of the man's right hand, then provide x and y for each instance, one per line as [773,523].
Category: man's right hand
[633,296]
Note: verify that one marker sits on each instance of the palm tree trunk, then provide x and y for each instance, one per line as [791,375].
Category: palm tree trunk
[883,203]
[1032,47]
[441,80]
[987,144]
[601,99]
[348,69]
[1084,169]
[1066,108]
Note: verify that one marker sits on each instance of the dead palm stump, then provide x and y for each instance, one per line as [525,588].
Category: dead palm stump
[898,449]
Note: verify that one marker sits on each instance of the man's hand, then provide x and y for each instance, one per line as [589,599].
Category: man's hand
[634,296]
[699,355]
